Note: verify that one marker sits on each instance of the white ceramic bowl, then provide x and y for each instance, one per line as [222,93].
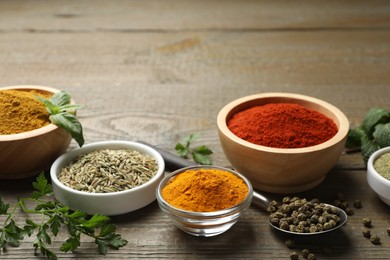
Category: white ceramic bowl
[377,182]
[204,224]
[282,170]
[113,203]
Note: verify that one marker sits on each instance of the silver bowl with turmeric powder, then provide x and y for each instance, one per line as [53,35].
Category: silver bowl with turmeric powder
[204,200]
[29,142]
[282,142]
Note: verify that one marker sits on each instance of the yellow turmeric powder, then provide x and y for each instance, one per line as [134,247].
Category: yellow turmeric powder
[20,111]
[205,190]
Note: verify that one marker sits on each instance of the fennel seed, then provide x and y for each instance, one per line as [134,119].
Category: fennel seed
[107,170]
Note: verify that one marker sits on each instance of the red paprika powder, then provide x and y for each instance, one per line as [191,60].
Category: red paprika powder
[282,125]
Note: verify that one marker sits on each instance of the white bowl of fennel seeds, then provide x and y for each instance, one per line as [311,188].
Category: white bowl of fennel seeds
[108,177]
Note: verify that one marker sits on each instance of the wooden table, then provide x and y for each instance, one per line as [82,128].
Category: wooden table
[160,70]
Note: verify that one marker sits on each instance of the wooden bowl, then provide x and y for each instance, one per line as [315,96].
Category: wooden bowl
[282,170]
[27,154]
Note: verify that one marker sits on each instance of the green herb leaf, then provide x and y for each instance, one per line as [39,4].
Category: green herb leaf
[368,147]
[97,220]
[181,150]
[373,117]
[50,106]
[62,114]
[373,134]
[71,124]
[382,135]
[54,217]
[3,207]
[200,154]
[61,98]
[191,138]
[42,187]
[354,137]
[71,244]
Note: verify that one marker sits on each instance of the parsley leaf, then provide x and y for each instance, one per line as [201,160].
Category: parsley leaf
[373,134]
[54,218]
[200,154]
[62,114]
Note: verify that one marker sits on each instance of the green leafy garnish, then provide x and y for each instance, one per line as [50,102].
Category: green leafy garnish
[62,114]
[373,134]
[199,154]
[53,217]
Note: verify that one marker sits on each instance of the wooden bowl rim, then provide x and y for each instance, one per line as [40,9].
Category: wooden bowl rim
[36,132]
[340,135]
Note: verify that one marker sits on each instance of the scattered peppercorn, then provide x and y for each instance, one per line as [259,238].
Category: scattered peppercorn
[388,231]
[375,239]
[340,196]
[357,204]
[349,211]
[366,222]
[305,253]
[311,257]
[366,233]
[294,256]
[289,243]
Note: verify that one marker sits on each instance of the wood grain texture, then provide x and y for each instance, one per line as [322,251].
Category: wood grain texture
[159,70]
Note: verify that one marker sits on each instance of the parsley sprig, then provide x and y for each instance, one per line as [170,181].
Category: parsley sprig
[200,154]
[372,134]
[54,218]
[62,114]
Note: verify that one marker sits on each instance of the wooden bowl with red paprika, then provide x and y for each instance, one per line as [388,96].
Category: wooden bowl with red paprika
[29,142]
[282,142]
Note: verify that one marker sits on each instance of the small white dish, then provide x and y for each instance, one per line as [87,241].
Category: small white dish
[112,203]
[377,182]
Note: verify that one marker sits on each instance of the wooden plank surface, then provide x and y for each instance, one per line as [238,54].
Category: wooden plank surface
[159,70]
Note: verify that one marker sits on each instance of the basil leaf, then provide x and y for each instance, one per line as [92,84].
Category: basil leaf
[71,124]
[69,108]
[61,98]
[373,117]
[50,106]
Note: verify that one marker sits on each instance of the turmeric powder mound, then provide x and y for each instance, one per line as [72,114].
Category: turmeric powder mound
[205,190]
[20,111]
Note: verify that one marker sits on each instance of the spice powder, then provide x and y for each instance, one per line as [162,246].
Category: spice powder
[205,190]
[20,111]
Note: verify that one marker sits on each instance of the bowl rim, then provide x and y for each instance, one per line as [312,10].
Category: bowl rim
[186,213]
[371,169]
[118,144]
[36,132]
[342,132]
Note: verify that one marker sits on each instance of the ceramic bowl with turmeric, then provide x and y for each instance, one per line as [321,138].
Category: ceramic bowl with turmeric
[267,149]
[29,143]
[204,200]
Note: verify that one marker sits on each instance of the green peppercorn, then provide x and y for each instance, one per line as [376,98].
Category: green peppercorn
[349,211]
[357,204]
[311,257]
[286,200]
[294,256]
[375,239]
[271,209]
[289,243]
[366,222]
[366,233]
[305,253]
[313,229]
